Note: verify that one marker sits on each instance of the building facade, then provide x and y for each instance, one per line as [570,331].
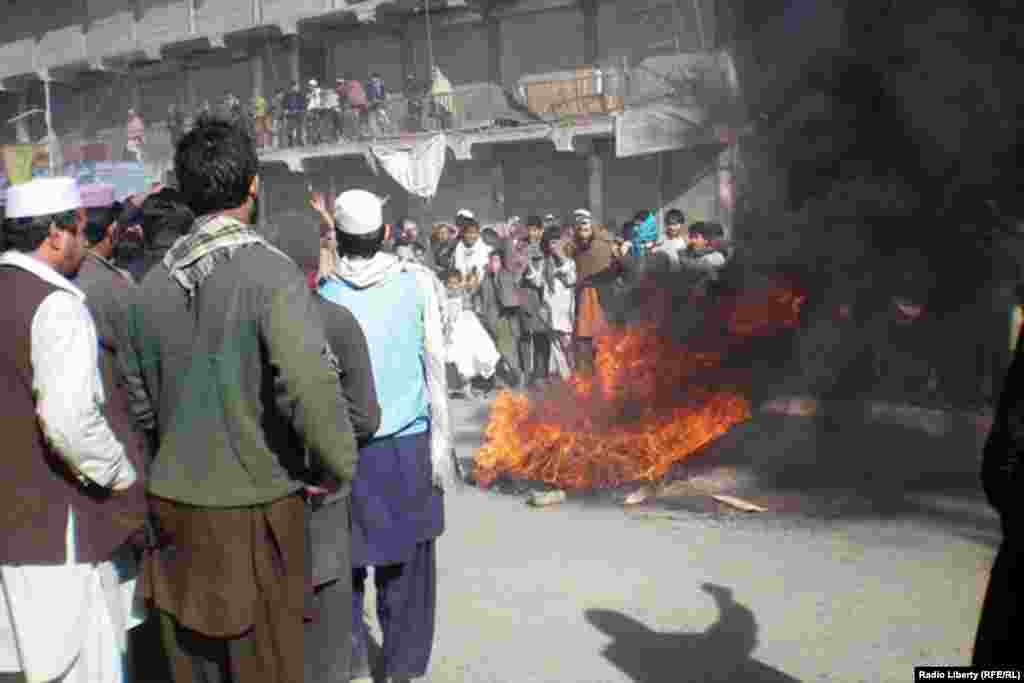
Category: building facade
[544,89]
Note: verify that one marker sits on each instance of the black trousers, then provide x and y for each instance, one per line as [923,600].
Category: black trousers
[196,658]
[998,639]
[535,346]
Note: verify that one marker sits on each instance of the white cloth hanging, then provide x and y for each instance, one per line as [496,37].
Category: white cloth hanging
[417,167]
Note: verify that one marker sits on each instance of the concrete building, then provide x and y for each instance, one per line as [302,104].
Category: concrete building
[97,58]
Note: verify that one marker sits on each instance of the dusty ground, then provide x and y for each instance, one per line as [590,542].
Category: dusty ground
[871,559]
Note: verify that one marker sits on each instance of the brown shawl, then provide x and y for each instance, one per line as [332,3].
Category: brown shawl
[597,259]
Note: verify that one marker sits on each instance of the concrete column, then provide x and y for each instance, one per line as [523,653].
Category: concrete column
[189,90]
[494,52]
[498,188]
[595,183]
[294,65]
[258,64]
[21,126]
[591,46]
[406,51]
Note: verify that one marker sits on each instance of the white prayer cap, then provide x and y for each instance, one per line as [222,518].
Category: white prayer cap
[465,213]
[582,214]
[358,212]
[97,195]
[43,196]
[313,82]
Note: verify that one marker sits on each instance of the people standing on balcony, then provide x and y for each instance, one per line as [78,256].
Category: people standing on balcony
[356,104]
[415,92]
[277,118]
[295,116]
[332,114]
[175,124]
[314,113]
[379,117]
[260,120]
[397,504]
[62,613]
[229,319]
[442,99]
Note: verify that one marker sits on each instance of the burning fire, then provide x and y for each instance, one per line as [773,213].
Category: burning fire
[652,401]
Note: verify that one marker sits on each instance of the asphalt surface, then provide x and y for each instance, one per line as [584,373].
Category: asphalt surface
[871,559]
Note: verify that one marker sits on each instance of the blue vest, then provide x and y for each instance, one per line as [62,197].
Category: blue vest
[391,315]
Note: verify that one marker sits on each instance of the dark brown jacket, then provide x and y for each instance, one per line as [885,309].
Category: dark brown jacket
[35,485]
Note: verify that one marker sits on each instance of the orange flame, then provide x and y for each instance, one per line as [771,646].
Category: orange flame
[652,401]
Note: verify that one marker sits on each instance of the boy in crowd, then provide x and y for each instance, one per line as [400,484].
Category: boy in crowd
[497,301]
[676,238]
[536,322]
[472,255]
[705,257]
[471,351]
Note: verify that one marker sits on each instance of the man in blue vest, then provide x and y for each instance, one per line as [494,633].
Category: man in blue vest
[396,502]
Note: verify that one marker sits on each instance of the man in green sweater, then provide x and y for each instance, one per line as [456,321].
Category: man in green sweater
[232,376]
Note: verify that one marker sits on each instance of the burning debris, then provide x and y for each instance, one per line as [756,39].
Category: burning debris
[653,400]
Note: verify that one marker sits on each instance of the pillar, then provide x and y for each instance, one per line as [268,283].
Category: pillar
[294,65]
[258,63]
[494,53]
[189,90]
[595,182]
[134,90]
[21,126]
[591,50]
[406,50]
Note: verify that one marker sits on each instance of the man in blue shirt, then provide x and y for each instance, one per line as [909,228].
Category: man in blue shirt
[396,502]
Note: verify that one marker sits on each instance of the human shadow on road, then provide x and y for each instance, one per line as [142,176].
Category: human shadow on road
[721,654]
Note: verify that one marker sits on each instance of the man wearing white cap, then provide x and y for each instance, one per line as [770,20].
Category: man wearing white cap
[62,613]
[396,505]
[241,385]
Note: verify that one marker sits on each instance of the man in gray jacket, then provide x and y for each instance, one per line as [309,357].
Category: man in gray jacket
[231,371]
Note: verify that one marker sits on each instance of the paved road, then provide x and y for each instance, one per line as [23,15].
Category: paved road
[862,589]
[871,560]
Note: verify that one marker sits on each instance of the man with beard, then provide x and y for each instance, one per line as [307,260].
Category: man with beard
[242,396]
[598,266]
[397,505]
[409,246]
[66,479]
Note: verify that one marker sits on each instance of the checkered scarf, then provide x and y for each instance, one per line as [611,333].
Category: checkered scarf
[213,240]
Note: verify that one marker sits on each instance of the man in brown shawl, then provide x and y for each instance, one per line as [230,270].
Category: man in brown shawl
[598,266]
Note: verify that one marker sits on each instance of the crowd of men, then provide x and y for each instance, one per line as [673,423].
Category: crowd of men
[318,113]
[205,442]
[544,290]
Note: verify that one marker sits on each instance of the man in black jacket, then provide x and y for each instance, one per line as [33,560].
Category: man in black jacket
[1002,614]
